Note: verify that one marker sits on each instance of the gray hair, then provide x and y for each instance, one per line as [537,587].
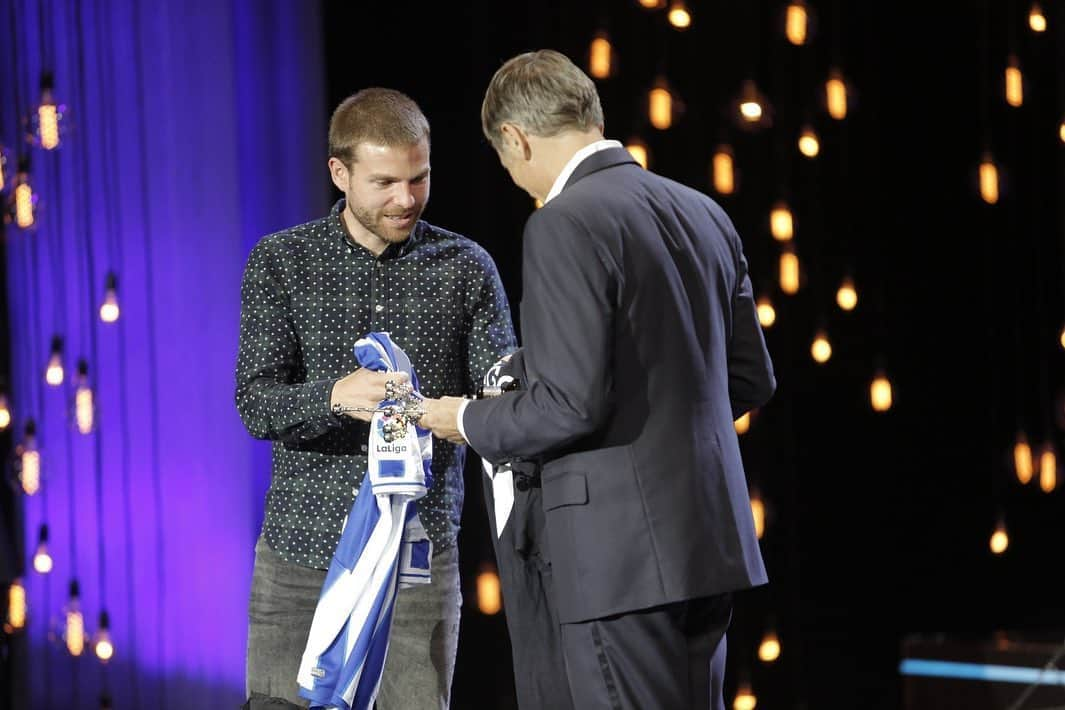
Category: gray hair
[544,93]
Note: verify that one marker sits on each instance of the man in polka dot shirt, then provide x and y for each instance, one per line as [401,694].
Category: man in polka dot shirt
[308,293]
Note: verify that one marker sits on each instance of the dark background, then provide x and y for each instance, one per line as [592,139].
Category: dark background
[879,523]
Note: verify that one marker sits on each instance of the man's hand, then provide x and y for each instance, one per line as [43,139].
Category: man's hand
[441,417]
[363,389]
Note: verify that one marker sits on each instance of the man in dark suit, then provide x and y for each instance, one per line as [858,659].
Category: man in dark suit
[642,345]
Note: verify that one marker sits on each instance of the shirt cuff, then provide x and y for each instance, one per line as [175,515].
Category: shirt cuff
[462,409]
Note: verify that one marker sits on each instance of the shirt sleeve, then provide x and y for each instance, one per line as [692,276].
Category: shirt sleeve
[491,330]
[272,401]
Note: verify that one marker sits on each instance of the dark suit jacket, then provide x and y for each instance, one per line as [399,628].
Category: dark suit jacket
[642,344]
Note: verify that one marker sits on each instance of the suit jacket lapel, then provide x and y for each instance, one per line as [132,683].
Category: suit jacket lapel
[600,160]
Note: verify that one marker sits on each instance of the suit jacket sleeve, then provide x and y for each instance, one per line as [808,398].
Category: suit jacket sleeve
[750,371]
[567,316]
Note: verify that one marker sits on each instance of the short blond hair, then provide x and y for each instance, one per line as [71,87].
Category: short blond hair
[375,115]
[544,93]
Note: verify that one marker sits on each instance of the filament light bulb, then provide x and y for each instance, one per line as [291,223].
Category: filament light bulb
[847,295]
[795,23]
[769,649]
[638,150]
[880,393]
[16,606]
[599,57]
[767,315]
[809,144]
[109,310]
[84,408]
[1022,459]
[660,106]
[5,412]
[489,597]
[42,559]
[821,348]
[102,644]
[54,374]
[723,176]
[1000,539]
[781,222]
[836,95]
[679,16]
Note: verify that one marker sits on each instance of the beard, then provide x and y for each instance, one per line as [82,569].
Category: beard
[377,222]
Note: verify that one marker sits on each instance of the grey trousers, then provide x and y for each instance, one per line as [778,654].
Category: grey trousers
[422,645]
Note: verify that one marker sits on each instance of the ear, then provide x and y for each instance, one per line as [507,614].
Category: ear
[339,173]
[516,141]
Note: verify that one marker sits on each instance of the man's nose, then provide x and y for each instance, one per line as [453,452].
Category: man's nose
[404,195]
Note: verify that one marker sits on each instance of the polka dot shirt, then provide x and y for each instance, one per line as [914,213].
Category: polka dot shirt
[307,295]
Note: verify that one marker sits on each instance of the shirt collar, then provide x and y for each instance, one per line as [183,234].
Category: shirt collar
[338,231]
[577,159]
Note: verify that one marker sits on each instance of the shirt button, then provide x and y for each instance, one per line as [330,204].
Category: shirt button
[364,448]
[379,308]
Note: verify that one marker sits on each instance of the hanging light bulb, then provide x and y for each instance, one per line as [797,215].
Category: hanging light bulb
[988,180]
[5,412]
[789,271]
[54,374]
[752,106]
[1000,539]
[758,513]
[1048,469]
[1061,339]
[109,310]
[809,145]
[781,223]
[743,424]
[821,349]
[847,295]
[638,150]
[767,315]
[29,459]
[745,698]
[16,606]
[22,203]
[1061,130]
[600,56]
[769,649]
[660,105]
[652,4]
[1022,459]
[1014,82]
[721,167]
[795,23]
[42,558]
[836,95]
[4,177]
[47,122]
[1036,19]
[679,16]
[74,635]
[489,597]
[102,642]
[880,393]
[84,408]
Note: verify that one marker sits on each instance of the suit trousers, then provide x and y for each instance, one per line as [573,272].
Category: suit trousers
[525,578]
[671,656]
[422,643]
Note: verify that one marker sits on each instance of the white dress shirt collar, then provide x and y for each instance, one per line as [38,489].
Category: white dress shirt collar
[576,160]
